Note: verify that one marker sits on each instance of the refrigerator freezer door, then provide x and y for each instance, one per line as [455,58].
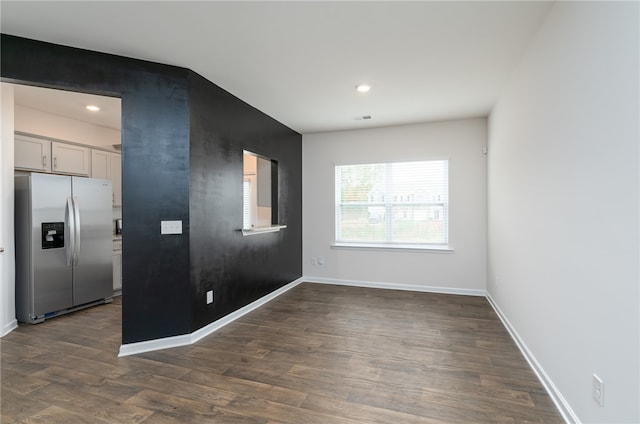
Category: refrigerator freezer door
[93,270]
[51,288]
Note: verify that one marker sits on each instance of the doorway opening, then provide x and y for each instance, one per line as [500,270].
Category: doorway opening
[61,132]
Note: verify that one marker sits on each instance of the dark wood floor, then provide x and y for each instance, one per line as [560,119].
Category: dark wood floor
[317,354]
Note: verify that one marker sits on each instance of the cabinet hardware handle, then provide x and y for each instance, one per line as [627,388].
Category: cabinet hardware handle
[55,163]
[44,161]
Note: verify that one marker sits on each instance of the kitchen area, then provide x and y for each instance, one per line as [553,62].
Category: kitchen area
[64,138]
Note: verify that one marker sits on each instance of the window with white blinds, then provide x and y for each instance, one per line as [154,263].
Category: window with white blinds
[403,203]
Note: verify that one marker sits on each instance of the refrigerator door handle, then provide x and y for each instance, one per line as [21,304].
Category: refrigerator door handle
[76,254]
[69,222]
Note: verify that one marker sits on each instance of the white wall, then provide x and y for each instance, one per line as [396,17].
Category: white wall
[7,262]
[459,141]
[563,185]
[46,124]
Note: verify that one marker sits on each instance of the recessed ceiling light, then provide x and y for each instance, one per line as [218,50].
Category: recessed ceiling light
[363,88]
[93,108]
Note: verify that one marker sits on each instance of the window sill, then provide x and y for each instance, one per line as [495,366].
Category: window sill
[394,247]
[262,230]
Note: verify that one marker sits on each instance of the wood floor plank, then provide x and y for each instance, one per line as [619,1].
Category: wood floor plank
[57,415]
[277,412]
[317,354]
[20,383]
[16,407]
[362,413]
[264,391]
[78,401]
[112,390]
[180,388]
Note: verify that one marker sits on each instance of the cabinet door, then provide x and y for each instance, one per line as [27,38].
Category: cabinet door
[100,164]
[70,159]
[33,154]
[116,178]
[117,270]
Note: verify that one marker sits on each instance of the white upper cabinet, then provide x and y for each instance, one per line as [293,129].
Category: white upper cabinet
[38,154]
[70,159]
[100,164]
[32,154]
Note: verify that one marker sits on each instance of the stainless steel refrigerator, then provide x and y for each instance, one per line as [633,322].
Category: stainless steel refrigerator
[64,244]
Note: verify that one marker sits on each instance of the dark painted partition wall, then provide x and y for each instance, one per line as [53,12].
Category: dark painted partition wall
[239,269]
[161,291]
[155,173]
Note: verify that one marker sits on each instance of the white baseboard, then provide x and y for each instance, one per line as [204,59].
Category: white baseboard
[156,344]
[187,339]
[395,286]
[9,327]
[561,403]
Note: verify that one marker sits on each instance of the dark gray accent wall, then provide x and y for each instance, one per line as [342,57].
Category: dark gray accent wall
[239,269]
[180,136]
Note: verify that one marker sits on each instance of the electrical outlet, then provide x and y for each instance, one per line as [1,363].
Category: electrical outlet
[209,297]
[320,260]
[598,390]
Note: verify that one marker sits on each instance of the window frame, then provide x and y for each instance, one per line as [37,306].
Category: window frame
[268,192]
[388,243]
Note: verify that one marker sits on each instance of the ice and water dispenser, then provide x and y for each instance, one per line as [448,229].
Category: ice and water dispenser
[52,235]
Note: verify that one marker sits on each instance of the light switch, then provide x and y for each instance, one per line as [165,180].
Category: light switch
[170,227]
